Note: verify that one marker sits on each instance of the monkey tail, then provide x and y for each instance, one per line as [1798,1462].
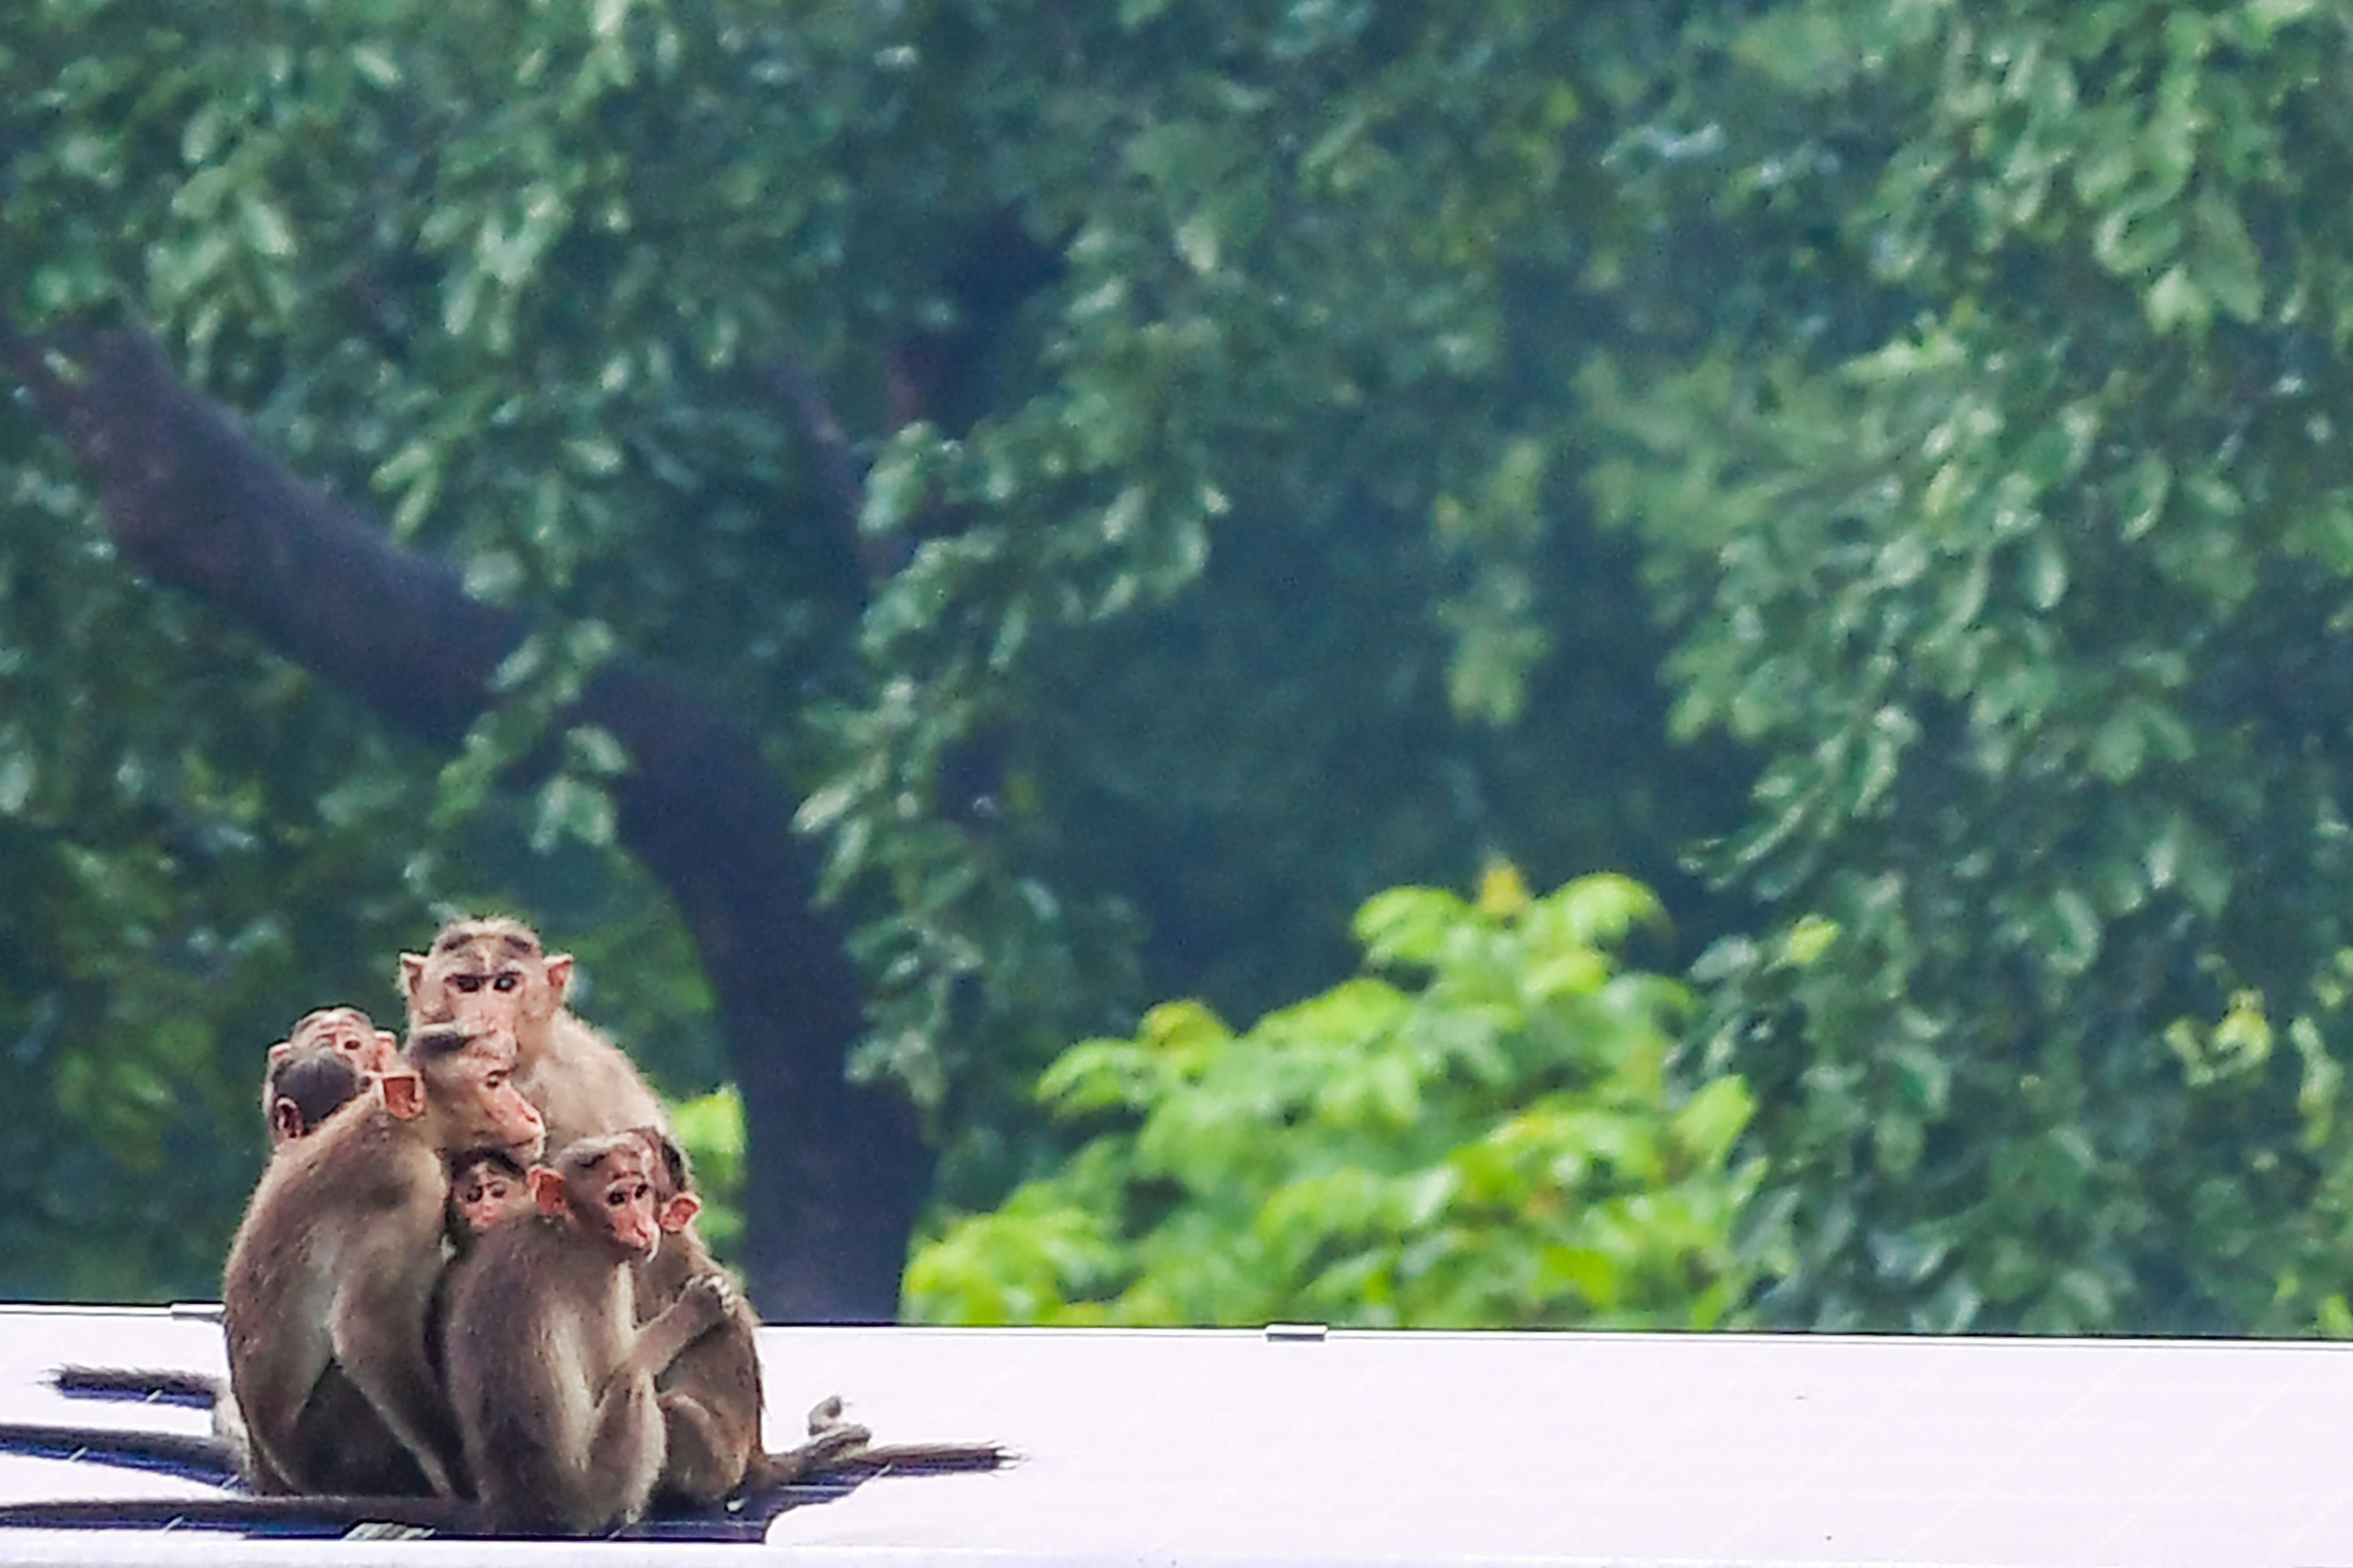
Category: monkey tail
[284,1515]
[920,1459]
[200,1457]
[149,1383]
[841,1457]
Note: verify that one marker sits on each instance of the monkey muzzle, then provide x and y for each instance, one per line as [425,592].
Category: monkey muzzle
[637,1233]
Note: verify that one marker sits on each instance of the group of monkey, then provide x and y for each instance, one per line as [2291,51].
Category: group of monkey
[469,1274]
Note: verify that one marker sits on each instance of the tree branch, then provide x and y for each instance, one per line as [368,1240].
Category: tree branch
[835,1171]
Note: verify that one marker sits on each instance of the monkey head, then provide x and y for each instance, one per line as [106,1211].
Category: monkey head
[675,1204]
[486,1186]
[371,1050]
[484,972]
[606,1186]
[461,1082]
[303,1086]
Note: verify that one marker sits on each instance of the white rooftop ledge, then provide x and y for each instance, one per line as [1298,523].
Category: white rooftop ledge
[1250,1449]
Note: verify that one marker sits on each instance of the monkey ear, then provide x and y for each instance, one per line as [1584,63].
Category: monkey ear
[404,1095]
[412,973]
[285,1121]
[546,1188]
[280,1051]
[559,974]
[679,1212]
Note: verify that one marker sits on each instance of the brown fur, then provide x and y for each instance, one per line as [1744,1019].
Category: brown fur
[332,1269]
[481,971]
[551,1374]
[303,1086]
[711,1397]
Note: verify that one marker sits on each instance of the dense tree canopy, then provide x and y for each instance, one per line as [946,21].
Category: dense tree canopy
[1100,492]
[2001,504]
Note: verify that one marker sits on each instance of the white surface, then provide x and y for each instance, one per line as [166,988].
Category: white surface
[1232,1449]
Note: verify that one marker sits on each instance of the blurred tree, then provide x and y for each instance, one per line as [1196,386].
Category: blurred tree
[1984,448]
[865,385]
[1496,1145]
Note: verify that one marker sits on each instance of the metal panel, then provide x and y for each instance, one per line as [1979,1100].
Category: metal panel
[1244,1448]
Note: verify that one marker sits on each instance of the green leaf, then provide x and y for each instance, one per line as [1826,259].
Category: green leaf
[2223,254]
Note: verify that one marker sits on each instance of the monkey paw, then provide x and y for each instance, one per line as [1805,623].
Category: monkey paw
[716,1297]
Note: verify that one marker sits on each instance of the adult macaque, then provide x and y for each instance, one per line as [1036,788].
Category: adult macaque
[494,970]
[332,1271]
[551,1374]
[302,1087]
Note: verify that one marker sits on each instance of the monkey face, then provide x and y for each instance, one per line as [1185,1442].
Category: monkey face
[482,1108]
[484,1194]
[484,978]
[606,1186]
[628,1210]
[350,1033]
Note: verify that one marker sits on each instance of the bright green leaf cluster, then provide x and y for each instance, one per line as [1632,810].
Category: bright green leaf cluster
[1480,1130]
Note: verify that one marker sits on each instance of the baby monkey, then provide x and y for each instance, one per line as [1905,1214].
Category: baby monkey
[487,1187]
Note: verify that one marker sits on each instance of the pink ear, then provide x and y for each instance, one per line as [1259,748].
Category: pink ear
[286,1120]
[412,973]
[559,974]
[546,1188]
[679,1212]
[280,1051]
[404,1095]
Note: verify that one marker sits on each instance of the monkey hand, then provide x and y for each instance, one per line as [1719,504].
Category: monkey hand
[710,1298]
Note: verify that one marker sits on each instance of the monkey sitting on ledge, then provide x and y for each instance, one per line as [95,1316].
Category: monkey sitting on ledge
[334,1266]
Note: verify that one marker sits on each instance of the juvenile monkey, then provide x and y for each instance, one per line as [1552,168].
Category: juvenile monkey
[347,1030]
[483,972]
[302,1069]
[332,1274]
[302,1085]
[551,1374]
[710,1395]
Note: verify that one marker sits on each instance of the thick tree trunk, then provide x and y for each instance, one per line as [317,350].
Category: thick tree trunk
[834,1171]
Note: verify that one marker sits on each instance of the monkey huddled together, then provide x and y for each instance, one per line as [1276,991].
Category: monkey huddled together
[469,1270]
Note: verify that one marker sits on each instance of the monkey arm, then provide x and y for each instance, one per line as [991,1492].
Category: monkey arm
[701,1307]
[378,1326]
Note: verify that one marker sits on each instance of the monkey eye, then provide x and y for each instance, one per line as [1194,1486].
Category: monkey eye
[467,981]
[506,981]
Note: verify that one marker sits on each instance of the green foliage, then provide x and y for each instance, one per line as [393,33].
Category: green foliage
[1480,1130]
[1233,386]
[711,1130]
[1990,477]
